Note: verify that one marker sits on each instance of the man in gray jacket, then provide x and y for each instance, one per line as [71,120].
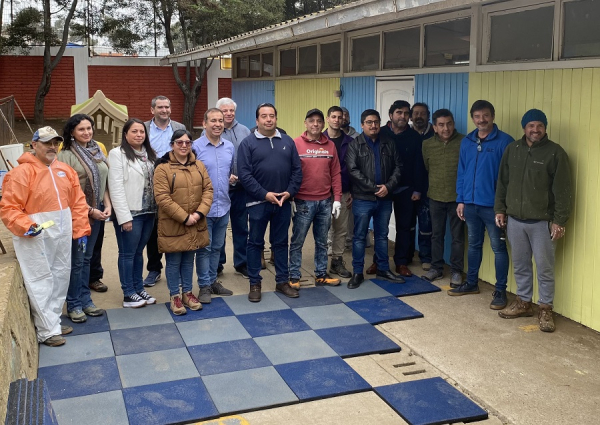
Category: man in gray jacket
[159,129]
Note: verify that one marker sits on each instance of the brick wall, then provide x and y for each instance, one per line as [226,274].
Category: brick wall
[224,87]
[21,75]
[135,86]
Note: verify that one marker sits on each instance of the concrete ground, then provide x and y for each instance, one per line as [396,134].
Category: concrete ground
[517,373]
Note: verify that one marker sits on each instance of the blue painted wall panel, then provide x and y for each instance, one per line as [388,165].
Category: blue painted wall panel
[248,95]
[450,91]
[358,94]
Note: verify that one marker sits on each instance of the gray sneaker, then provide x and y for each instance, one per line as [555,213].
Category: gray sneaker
[432,275]
[456,280]
[204,296]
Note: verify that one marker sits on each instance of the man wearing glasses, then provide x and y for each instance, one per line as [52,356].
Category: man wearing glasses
[479,161]
[43,194]
[270,171]
[374,166]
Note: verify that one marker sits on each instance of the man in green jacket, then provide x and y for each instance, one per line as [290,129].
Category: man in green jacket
[534,190]
[440,154]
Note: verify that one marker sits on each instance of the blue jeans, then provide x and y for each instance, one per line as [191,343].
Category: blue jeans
[478,220]
[363,211]
[317,213]
[425,230]
[207,258]
[131,249]
[78,295]
[180,268]
[279,217]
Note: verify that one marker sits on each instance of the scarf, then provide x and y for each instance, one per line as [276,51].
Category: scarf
[142,157]
[89,157]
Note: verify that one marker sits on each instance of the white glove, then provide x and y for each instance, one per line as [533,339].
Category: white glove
[335,210]
[293,208]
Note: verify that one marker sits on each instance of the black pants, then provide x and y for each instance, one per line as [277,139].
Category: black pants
[96,270]
[440,211]
[154,257]
[405,215]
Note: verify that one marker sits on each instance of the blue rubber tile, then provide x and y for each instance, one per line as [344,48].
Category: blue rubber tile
[124,318]
[246,390]
[365,291]
[146,339]
[82,378]
[329,316]
[310,297]
[357,340]
[97,409]
[212,330]
[155,367]
[316,379]
[269,302]
[294,347]
[91,325]
[272,323]
[217,308]
[229,356]
[77,349]
[382,310]
[430,401]
[413,286]
[169,402]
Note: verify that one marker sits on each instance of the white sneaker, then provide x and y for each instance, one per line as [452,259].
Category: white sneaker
[134,301]
[147,297]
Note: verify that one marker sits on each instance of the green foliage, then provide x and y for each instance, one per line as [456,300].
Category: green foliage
[26,30]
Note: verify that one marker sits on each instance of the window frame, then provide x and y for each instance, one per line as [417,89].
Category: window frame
[306,43]
[247,54]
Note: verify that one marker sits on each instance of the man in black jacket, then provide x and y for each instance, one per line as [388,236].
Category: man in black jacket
[374,166]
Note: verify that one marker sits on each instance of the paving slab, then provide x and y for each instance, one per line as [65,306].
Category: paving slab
[98,409]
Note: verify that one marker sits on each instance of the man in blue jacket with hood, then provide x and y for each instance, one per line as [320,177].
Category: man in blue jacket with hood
[479,161]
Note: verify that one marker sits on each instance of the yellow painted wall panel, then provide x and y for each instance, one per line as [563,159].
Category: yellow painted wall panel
[571,100]
[293,98]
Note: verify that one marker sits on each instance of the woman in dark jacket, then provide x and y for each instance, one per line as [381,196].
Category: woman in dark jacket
[184,194]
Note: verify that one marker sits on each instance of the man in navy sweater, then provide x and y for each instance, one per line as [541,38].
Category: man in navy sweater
[270,171]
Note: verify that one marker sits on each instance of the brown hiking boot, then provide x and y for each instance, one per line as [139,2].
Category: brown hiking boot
[545,317]
[286,290]
[177,306]
[518,308]
[190,300]
[372,269]
[98,286]
[254,295]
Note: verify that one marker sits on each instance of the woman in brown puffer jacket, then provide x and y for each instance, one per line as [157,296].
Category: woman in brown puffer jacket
[184,194]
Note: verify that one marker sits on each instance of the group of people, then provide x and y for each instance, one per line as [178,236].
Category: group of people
[171,194]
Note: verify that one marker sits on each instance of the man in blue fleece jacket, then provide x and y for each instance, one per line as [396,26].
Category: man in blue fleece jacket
[479,161]
[270,171]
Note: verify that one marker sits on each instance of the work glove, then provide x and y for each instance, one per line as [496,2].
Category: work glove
[34,230]
[82,243]
[335,210]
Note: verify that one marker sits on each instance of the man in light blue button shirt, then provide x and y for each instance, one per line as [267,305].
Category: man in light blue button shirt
[159,129]
[217,155]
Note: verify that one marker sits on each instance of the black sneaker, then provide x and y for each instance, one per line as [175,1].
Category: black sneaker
[242,270]
[133,301]
[464,289]
[499,301]
[217,288]
[147,297]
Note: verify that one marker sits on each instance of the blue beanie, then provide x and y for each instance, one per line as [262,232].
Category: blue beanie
[534,115]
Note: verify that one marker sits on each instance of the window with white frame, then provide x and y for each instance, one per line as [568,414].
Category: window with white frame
[448,43]
[329,57]
[365,53]
[307,60]
[581,29]
[401,48]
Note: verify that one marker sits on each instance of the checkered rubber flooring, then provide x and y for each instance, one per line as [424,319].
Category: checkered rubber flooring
[147,366]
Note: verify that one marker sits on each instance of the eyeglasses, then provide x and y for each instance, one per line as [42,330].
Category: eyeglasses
[51,143]
[183,142]
[370,123]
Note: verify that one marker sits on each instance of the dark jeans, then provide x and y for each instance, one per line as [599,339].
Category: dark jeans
[405,214]
[440,211]
[363,211]
[279,218]
[179,271]
[78,295]
[424,237]
[131,252]
[479,219]
[154,257]
[239,227]
[96,270]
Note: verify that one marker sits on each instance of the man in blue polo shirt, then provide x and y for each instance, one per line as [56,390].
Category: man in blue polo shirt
[479,161]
